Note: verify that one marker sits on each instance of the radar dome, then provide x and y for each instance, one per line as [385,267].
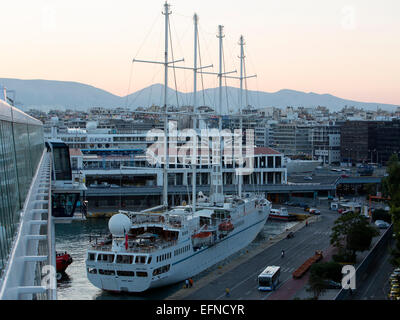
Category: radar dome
[119,224]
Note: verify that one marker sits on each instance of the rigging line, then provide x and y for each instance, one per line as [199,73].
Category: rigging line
[226,87]
[245,84]
[184,97]
[141,92]
[257,83]
[147,35]
[156,72]
[201,74]
[129,86]
[173,64]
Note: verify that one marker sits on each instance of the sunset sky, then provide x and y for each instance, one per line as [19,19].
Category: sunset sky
[350,49]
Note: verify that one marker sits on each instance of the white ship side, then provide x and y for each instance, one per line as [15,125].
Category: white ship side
[165,248]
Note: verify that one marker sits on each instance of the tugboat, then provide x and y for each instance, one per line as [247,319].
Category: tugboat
[63,260]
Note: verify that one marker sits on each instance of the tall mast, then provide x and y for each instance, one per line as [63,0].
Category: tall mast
[217,196]
[166,158]
[241,43]
[195,149]
[166,64]
[241,78]
[220,36]
[216,191]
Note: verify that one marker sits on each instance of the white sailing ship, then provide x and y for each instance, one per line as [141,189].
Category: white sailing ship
[163,245]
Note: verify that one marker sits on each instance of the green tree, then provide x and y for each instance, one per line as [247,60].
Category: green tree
[360,237]
[351,233]
[316,285]
[327,270]
[391,188]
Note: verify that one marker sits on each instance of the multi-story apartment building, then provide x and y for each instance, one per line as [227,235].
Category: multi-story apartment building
[370,141]
[326,143]
[293,139]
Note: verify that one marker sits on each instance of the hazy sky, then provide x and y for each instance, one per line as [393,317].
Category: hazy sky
[347,48]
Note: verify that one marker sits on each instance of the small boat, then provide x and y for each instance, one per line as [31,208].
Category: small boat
[63,260]
[281,214]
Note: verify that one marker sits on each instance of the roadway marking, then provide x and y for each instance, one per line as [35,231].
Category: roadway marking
[273,261]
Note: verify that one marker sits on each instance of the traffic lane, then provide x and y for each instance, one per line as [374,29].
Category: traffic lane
[297,260]
[294,257]
[295,254]
[376,285]
[216,289]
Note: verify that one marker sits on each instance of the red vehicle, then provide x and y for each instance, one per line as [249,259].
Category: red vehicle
[63,260]
[307,265]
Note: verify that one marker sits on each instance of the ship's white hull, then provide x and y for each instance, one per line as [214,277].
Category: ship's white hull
[186,265]
[206,258]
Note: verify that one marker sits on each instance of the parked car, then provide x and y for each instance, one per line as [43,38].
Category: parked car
[394,282]
[308,178]
[396,272]
[394,296]
[330,284]
[394,277]
[314,211]
[395,288]
[382,224]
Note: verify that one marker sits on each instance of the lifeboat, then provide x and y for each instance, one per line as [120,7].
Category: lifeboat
[203,238]
[202,235]
[63,260]
[226,226]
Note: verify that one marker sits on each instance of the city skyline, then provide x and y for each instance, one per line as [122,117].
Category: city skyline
[345,49]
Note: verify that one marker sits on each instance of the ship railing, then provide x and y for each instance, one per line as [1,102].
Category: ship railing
[154,219]
[136,248]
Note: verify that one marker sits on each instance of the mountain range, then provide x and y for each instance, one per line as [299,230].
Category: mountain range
[51,94]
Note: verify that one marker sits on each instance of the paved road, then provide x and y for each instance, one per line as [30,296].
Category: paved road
[375,285]
[242,280]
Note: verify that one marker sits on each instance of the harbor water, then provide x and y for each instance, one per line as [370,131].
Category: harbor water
[74,238]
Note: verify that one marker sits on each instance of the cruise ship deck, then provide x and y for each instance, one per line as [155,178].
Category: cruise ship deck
[35,185]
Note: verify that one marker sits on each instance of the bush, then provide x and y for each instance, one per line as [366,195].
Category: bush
[344,258]
[327,270]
